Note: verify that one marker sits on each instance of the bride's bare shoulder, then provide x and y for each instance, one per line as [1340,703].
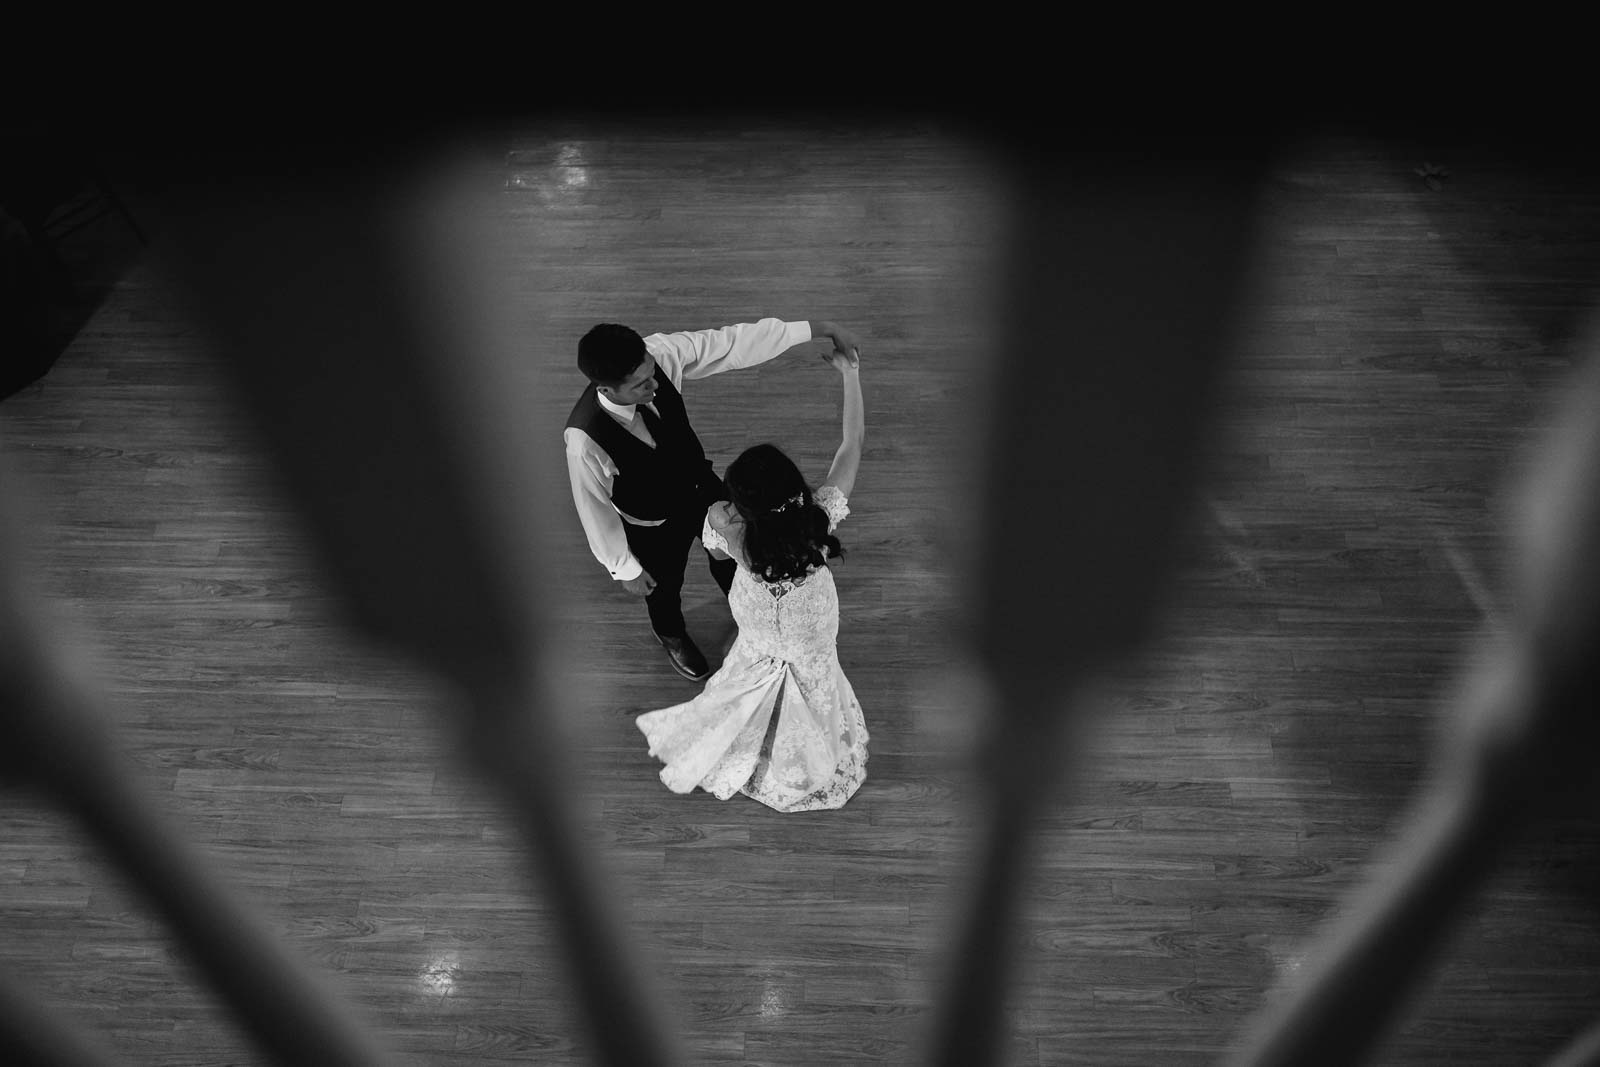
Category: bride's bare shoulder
[722,515]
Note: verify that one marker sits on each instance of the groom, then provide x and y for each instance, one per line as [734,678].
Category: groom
[640,479]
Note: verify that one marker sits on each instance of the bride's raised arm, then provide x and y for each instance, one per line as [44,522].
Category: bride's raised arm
[845,461]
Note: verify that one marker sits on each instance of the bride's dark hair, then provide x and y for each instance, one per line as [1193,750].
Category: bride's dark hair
[785,533]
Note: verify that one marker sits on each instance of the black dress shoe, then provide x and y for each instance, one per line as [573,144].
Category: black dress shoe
[686,658]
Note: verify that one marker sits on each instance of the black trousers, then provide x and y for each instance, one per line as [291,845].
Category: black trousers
[664,552]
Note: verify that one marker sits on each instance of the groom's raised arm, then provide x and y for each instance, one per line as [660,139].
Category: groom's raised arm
[702,353]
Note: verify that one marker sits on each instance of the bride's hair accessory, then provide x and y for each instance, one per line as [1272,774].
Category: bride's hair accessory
[795,501]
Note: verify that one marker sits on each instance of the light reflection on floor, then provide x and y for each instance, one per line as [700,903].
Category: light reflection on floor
[438,978]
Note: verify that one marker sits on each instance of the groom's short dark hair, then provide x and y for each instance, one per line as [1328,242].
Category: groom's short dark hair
[610,352]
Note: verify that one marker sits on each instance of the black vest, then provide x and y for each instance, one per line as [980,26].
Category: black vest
[651,483]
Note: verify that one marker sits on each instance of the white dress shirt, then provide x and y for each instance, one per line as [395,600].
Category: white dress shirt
[696,354]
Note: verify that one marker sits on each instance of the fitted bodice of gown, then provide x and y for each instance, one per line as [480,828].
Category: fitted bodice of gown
[794,621]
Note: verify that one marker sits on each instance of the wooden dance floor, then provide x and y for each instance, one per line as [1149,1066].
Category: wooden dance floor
[1400,348]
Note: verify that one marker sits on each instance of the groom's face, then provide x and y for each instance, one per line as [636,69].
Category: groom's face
[638,387]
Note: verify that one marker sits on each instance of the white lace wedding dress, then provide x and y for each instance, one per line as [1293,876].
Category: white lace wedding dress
[778,721]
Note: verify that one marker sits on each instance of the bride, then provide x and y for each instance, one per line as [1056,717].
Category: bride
[778,721]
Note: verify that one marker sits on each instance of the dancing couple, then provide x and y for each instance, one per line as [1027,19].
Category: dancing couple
[778,721]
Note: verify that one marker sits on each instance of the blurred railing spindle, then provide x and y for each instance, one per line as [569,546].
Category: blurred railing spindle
[1525,732]
[1121,291]
[356,308]
[60,741]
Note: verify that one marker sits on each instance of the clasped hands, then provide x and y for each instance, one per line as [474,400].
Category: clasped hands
[846,349]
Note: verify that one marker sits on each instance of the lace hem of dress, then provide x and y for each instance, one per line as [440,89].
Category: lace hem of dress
[847,778]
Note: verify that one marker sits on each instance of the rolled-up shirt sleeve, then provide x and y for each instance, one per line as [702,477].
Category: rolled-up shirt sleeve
[591,494]
[702,353]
